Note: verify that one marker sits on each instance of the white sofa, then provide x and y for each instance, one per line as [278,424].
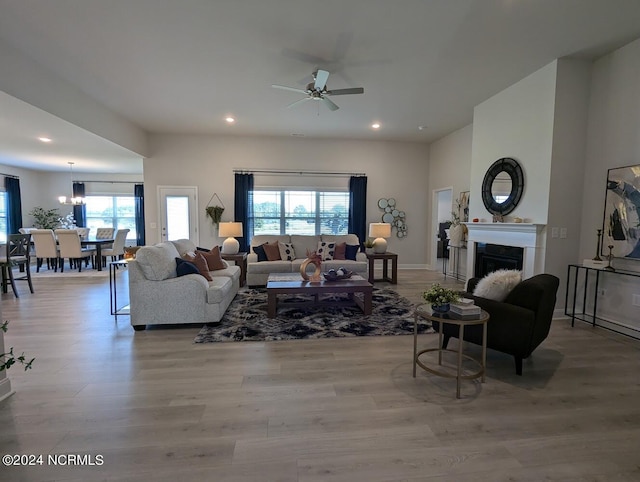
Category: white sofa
[258,271]
[158,296]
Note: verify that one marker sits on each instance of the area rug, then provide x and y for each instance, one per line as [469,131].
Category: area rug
[246,319]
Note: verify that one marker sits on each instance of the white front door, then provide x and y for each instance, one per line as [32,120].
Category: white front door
[178,213]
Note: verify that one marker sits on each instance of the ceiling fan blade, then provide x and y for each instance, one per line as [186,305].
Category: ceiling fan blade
[297,102]
[329,104]
[321,80]
[292,89]
[355,90]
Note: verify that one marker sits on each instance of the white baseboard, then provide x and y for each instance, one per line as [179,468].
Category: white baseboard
[5,389]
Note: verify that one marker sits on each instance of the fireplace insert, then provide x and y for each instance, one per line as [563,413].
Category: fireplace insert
[492,257]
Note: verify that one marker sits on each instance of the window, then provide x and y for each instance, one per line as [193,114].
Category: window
[3,217]
[300,212]
[116,212]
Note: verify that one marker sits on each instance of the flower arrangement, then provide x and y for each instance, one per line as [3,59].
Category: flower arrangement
[438,295]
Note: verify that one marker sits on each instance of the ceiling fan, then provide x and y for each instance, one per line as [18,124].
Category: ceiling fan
[317,90]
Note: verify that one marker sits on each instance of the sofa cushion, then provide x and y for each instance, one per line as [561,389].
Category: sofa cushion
[232,272]
[259,250]
[303,244]
[325,250]
[270,267]
[351,251]
[184,246]
[184,267]
[287,253]
[497,285]
[213,258]
[158,262]
[219,288]
[198,259]
[341,238]
[272,251]
[340,251]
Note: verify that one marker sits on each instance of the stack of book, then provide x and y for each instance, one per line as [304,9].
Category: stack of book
[465,309]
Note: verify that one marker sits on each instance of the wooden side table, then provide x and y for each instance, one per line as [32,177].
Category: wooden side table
[424,311]
[385,257]
[241,260]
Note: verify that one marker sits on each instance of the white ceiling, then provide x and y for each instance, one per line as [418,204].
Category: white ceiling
[181,66]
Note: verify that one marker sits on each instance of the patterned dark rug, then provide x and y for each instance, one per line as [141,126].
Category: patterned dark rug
[246,319]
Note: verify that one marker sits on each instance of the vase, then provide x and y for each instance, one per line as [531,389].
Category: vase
[315,276]
[440,308]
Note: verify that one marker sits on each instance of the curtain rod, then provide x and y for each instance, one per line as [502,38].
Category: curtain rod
[299,172]
[114,182]
[9,175]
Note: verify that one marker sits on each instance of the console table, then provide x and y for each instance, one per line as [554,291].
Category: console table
[385,257]
[586,273]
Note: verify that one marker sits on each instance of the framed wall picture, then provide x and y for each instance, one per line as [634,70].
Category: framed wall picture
[621,223]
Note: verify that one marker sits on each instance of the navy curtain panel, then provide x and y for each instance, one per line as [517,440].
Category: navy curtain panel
[80,211]
[138,193]
[358,207]
[14,204]
[243,208]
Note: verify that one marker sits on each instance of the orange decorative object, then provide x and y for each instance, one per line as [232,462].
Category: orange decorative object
[314,259]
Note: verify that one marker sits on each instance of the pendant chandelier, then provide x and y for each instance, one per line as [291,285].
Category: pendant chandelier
[74,201]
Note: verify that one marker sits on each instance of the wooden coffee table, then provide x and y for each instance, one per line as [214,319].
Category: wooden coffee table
[293,284]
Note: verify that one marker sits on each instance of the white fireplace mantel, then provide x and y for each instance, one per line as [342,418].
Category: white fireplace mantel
[530,236]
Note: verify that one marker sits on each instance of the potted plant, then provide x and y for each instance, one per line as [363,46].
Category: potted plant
[45,218]
[368,246]
[8,359]
[215,213]
[440,297]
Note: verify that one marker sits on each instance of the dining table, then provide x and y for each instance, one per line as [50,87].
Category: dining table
[98,243]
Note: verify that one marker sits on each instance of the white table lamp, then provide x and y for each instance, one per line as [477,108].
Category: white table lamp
[231,231]
[379,231]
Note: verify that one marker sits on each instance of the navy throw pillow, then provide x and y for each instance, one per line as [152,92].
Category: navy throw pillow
[259,250]
[351,251]
[203,249]
[184,267]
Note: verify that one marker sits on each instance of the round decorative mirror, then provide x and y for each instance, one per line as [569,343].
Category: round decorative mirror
[502,186]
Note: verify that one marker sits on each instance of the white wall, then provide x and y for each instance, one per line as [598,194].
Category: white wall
[394,169]
[613,141]
[517,123]
[449,166]
[567,167]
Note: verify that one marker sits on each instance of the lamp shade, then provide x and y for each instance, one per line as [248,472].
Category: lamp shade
[379,230]
[231,229]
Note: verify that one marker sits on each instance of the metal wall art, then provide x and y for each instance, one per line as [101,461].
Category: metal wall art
[393,216]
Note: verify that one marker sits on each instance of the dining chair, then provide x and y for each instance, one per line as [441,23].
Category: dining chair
[70,247]
[83,232]
[117,249]
[16,254]
[104,233]
[46,247]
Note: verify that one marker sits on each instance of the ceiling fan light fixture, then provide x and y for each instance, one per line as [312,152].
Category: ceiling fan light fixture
[229,119]
[375,126]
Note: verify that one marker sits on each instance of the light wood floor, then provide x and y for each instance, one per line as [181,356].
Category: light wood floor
[157,407]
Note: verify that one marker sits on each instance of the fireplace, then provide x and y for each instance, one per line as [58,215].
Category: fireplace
[492,257]
[528,239]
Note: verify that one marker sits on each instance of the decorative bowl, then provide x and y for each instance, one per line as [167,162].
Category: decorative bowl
[340,274]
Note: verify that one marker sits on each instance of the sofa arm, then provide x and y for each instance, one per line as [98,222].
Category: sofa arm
[252,257]
[360,256]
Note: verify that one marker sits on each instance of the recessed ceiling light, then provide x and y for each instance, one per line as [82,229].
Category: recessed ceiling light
[229,119]
[375,126]
[421,128]
[44,139]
